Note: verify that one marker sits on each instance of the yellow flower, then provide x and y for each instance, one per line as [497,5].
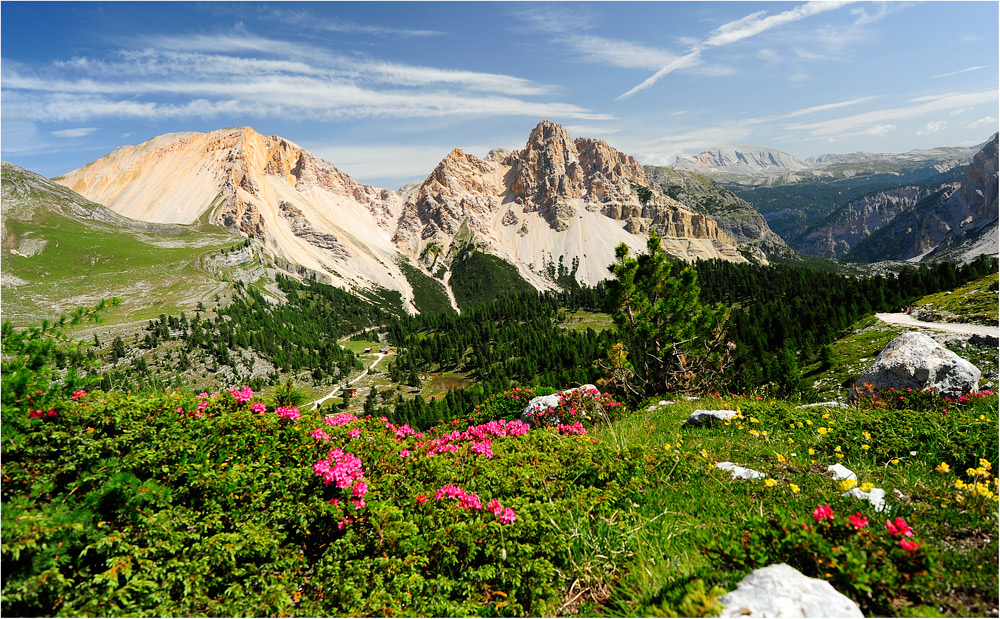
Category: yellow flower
[839,456]
[808,423]
[704,453]
[764,433]
[959,497]
[847,484]
[753,432]
[754,420]
[770,483]
[791,441]
[942,468]
[866,436]
[667,446]
[826,415]
[793,488]
[737,409]
[812,452]
[959,484]
[894,460]
[867,486]
[781,458]
[985,464]
[983,417]
[837,448]
[865,447]
[821,430]
[799,424]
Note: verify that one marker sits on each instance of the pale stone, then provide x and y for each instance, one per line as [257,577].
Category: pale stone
[841,472]
[875,496]
[782,591]
[708,418]
[914,360]
[739,472]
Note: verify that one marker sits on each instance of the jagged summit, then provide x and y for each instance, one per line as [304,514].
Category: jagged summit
[742,159]
[558,198]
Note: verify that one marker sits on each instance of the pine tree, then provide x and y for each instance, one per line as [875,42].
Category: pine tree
[674,342]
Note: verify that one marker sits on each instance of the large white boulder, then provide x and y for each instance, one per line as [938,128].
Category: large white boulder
[708,418]
[542,409]
[916,361]
[780,590]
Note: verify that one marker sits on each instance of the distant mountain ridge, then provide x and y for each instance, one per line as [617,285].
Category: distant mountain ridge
[556,200]
[759,165]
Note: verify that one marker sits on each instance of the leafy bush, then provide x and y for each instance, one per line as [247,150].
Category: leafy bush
[877,565]
[216,504]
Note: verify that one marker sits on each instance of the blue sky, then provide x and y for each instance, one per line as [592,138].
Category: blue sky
[384,90]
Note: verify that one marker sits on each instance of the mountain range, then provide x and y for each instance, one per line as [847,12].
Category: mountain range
[558,200]
[235,204]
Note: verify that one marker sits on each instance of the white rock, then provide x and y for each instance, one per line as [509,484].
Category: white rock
[665,402]
[825,404]
[691,397]
[708,418]
[841,472]
[544,403]
[782,591]
[916,361]
[739,472]
[875,496]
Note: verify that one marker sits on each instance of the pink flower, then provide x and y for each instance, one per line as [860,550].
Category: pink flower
[858,521]
[358,503]
[334,501]
[405,453]
[354,433]
[180,409]
[343,523]
[909,546]
[421,498]
[288,413]
[899,528]
[320,435]
[242,396]
[360,489]
[78,394]
[823,512]
[339,419]
[52,413]
[259,407]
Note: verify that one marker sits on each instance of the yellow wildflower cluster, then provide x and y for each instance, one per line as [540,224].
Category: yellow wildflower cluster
[847,484]
[979,487]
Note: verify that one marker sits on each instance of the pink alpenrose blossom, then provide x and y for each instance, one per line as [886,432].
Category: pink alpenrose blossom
[823,512]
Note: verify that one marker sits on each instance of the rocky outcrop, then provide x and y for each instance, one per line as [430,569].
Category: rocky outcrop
[734,216]
[958,223]
[782,591]
[708,418]
[915,361]
[843,229]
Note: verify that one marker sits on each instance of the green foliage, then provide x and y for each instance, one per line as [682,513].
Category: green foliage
[481,278]
[674,342]
[428,293]
[133,506]
[40,365]
[859,557]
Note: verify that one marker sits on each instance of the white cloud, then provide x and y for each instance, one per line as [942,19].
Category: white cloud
[975,68]
[732,32]
[924,105]
[206,76]
[625,54]
[555,18]
[590,131]
[880,130]
[826,106]
[985,121]
[78,132]
[935,126]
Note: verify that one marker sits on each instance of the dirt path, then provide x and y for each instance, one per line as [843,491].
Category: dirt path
[314,405]
[906,320]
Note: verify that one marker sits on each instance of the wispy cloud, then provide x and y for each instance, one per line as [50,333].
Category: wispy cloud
[616,53]
[207,76]
[826,106]
[78,132]
[935,126]
[985,121]
[308,19]
[732,32]
[553,18]
[922,105]
[975,68]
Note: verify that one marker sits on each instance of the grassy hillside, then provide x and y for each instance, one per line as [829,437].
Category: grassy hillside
[480,278]
[975,303]
[61,251]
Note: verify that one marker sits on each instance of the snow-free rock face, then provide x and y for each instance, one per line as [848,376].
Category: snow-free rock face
[303,209]
[555,198]
[740,160]
[542,410]
[856,220]
[782,591]
[708,418]
[914,360]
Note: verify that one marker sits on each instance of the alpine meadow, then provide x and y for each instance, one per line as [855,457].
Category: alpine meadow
[454,309]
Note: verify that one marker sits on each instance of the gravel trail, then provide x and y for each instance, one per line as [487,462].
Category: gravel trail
[906,320]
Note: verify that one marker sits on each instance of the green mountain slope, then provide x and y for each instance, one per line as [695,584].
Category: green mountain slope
[61,251]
